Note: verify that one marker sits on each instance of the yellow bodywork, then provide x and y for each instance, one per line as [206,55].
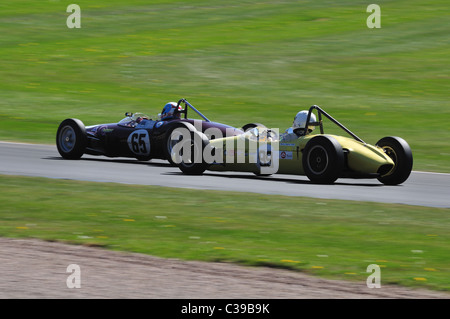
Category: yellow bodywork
[363,159]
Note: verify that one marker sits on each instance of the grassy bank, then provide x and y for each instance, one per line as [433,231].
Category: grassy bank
[331,238]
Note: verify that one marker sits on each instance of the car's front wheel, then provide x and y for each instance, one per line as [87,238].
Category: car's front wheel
[400,152]
[71,139]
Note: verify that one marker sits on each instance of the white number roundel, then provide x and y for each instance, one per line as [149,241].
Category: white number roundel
[139,142]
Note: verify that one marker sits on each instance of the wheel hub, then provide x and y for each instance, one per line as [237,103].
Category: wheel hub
[68,139]
[318,159]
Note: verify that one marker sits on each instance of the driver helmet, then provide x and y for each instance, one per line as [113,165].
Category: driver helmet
[300,121]
[169,109]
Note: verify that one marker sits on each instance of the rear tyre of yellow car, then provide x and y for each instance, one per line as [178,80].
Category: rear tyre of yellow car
[400,152]
[194,162]
[169,143]
[323,160]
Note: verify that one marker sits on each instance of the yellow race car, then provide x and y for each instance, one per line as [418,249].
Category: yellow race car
[323,158]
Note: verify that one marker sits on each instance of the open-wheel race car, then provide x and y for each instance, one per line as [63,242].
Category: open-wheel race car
[323,158]
[137,135]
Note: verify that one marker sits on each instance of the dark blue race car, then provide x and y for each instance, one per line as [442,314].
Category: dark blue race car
[137,135]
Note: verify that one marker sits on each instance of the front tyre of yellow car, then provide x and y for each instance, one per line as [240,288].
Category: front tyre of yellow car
[400,152]
[323,159]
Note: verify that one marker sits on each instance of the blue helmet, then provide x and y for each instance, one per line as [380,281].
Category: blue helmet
[169,109]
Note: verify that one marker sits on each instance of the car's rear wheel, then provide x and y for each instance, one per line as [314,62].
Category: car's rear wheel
[170,141]
[400,152]
[143,158]
[71,139]
[188,153]
[323,160]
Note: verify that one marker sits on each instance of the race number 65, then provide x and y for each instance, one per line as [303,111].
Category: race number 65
[139,142]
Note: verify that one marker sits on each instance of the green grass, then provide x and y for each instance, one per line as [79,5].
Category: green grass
[237,61]
[330,238]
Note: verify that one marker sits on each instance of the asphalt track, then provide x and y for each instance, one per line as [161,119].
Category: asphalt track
[422,189]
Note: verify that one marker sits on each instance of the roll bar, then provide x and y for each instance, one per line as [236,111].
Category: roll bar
[186,104]
[321,112]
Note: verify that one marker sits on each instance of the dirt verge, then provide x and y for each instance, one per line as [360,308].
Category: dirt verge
[37,269]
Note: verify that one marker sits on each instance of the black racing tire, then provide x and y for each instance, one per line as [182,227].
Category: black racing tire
[143,158]
[323,159]
[248,126]
[262,175]
[169,144]
[196,164]
[71,139]
[400,152]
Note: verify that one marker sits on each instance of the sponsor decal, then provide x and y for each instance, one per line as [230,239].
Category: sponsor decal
[287,144]
[103,130]
[286,155]
[159,124]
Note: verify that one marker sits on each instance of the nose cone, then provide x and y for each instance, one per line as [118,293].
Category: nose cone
[365,158]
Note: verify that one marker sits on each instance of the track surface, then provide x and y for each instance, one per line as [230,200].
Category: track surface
[423,189]
[36,269]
